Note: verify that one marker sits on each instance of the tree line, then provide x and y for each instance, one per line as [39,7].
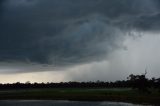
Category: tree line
[139,82]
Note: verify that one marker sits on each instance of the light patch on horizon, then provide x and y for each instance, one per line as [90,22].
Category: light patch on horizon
[55,76]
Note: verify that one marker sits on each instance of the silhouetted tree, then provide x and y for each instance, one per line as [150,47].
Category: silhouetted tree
[139,82]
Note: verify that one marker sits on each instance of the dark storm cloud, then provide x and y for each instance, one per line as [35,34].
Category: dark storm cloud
[149,22]
[68,32]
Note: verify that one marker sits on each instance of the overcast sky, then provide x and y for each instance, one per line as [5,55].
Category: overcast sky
[78,40]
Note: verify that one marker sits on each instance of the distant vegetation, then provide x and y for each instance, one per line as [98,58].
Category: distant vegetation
[139,82]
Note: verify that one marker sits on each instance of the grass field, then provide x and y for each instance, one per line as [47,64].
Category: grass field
[84,94]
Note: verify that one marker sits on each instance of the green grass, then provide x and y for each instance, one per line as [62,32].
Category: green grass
[83,94]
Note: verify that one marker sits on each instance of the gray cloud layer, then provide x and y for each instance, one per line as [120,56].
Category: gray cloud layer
[69,32]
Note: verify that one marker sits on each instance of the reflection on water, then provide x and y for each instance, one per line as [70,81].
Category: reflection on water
[59,103]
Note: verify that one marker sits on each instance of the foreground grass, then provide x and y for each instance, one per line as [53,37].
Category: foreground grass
[83,94]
